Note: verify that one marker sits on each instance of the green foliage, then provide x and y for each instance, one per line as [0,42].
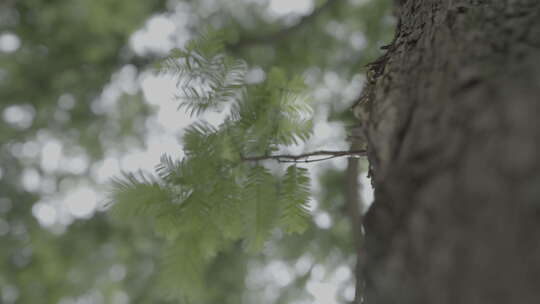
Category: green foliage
[214,196]
[262,205]
[206,76]
[295,217]
[140,189]
[68,51]
[74,50]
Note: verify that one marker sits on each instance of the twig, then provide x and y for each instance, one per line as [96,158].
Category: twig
[304,158]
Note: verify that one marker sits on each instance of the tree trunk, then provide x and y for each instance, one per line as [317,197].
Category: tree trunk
[452,119]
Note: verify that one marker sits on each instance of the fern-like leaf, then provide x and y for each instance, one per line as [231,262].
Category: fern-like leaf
[207,78]
[136,194]
[295,217]
[260,208]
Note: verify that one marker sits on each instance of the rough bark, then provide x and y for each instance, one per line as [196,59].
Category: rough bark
[453,125]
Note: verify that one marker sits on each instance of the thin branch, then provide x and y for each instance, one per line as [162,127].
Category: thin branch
[304,158]
[309,160]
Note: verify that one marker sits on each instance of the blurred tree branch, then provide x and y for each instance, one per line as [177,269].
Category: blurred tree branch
[284,33]
[141,62]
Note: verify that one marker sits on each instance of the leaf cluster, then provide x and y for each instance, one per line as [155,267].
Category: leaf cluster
[214,197]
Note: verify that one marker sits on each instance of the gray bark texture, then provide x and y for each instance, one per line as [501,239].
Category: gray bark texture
[452,119]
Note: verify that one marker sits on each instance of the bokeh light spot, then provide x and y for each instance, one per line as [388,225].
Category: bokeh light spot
[45,213]
[81,202]
[9,42]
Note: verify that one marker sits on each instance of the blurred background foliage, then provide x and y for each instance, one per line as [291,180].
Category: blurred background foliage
[78,103]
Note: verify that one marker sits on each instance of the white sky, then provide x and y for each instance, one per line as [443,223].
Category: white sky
[284,7]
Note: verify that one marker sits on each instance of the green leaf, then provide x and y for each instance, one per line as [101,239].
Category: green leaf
[136,195]
[207,78]
[295,217]
[260,208]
